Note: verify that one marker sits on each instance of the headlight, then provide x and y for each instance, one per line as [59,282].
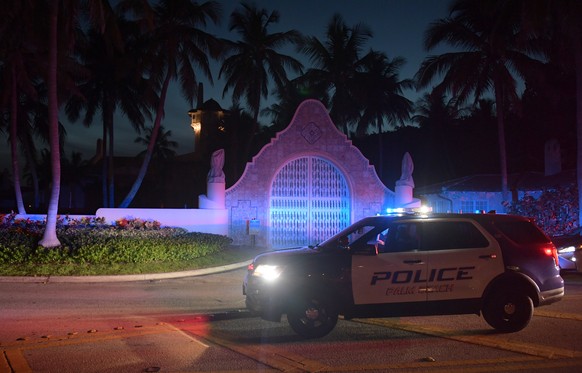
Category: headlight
[268,272]
[569,249]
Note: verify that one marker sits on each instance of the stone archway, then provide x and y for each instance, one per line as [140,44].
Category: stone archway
[310,142]
[309,202]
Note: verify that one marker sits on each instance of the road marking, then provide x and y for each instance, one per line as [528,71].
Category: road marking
[272,356]
[558,315]
[282,359]
[547,352]
[15,362]
[472,366]
[477,365]
[189,336]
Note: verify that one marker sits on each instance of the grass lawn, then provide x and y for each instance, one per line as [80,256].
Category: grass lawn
[90,248]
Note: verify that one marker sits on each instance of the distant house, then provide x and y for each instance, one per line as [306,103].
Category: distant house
[483,192]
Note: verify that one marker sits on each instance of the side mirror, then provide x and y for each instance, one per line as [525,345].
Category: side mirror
[343,241]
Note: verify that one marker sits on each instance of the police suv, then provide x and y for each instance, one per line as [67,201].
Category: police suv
[499,266]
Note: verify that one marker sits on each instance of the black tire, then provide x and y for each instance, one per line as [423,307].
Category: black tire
[508,312]
[312,317]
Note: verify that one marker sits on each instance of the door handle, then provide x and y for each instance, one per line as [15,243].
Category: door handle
[488,256]
[415,261]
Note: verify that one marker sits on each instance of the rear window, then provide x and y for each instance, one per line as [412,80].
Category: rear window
[522,232]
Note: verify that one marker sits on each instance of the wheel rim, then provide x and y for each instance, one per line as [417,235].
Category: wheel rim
[509,308]
[312,314]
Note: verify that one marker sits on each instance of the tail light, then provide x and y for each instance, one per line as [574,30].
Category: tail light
[551,250]
[251,267]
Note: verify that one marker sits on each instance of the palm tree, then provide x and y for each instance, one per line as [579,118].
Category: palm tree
[63,24]
[178,45]
[163,150]
[238,122]
[114,81]
[567,15]
[288,98]
[49,237]
[559,22]
[438,117]
[337,60]
[255,59]
[433,110]
[379,94]
[75,173]
[488,52]
[19,72]
[32,125]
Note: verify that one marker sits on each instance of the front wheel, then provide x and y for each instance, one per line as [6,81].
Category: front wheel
[312,317]
[508,312]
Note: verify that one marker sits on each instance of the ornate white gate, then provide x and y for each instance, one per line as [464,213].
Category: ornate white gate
[310,201]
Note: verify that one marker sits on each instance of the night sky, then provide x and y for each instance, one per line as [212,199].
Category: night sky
[398,27]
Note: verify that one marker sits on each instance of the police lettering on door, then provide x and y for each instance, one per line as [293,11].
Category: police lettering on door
[409,282]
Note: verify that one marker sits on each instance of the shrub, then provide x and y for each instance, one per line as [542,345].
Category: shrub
[93,242]
[555,211]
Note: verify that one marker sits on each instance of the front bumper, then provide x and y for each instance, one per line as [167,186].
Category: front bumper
[264,299]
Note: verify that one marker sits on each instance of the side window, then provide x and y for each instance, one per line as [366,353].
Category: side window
[354,236]
[402,237]
[522,232]
[357,239]
[446,235]
[367,239]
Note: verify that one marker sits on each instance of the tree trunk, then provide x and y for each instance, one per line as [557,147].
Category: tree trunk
[380,151]
[28,146]
[254,131]
[153,138]
[104,173]
[578,69]
[108,119]
[501,141]
[49,238]
[13,143]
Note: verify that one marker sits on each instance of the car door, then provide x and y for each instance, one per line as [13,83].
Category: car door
[461,257]
[395,273]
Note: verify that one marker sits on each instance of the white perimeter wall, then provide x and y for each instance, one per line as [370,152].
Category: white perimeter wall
[193,220]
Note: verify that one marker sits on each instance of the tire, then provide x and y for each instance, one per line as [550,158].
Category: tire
[312,317]
[508,312]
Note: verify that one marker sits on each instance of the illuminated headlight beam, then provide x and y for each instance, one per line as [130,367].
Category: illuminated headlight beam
[268,272]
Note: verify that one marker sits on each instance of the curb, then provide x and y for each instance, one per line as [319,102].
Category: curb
[124,278]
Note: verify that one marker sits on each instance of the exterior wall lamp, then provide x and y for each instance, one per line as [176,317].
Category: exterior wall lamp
[196,124]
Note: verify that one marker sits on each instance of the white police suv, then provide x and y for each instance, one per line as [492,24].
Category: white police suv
[499,266]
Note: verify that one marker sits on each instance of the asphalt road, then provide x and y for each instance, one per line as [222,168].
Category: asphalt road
[198,324]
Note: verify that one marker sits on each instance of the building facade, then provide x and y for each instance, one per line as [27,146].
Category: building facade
[308,183]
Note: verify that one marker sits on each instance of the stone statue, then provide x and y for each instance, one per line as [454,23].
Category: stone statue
[407,168]
[215,175]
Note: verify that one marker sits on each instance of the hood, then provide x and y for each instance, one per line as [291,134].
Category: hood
[286,256]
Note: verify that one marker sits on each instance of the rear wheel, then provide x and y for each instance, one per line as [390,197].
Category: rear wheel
[508,311]
[312,317]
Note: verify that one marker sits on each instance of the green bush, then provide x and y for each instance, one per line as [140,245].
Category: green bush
[94,243]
